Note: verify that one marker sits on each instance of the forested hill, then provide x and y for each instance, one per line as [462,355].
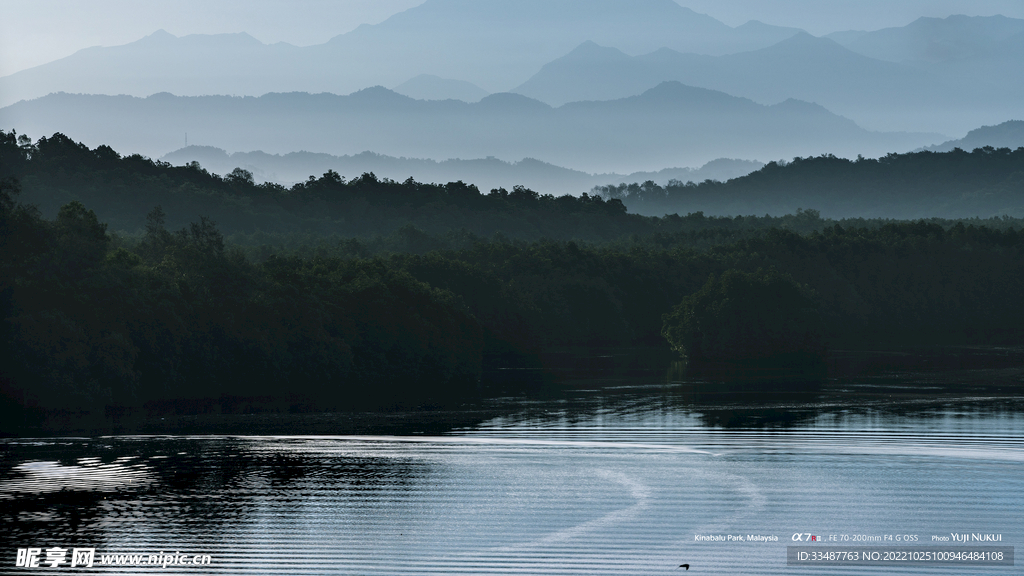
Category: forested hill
[957,184]
[95,327]
[98,324]
[121,190]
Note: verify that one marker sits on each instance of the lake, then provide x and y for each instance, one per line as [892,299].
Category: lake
[606,473]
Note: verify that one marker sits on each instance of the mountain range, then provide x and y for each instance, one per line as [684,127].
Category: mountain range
[494,44]
[955,38]
[935,75]
[593,85]
[878,94]
[430,87]
[669,125]
[486,173]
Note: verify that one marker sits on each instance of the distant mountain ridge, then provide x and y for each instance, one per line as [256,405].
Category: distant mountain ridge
[494,44]
[945,75]
[801,67]
[877,94]
[485,173]
[955,38]
[429,87]
[669,125]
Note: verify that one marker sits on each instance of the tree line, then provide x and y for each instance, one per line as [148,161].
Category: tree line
[55,170]
[182,319]
[957,184]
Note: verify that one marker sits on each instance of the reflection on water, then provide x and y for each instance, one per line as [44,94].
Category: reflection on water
[610,474]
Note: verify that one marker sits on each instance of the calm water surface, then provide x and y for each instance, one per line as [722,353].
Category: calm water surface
[607,477]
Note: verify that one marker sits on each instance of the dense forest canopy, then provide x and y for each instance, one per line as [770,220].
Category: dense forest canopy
[179,317]
[757,317]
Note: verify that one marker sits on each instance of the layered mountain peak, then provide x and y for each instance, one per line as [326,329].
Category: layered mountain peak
[492,44]
[160,35]
[165,40]
[802,42]
[951,39]
[590,51]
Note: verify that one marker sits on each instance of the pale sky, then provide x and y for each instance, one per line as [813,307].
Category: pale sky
[34,32]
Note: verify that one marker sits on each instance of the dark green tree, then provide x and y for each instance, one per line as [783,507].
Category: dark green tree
[758,319]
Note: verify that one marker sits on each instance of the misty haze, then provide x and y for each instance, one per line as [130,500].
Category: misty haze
[512,286]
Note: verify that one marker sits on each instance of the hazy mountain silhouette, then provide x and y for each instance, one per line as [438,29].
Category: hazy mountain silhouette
[805,67]
[486,173]
[429,87]
[494,44]
[194,64]
[669,125]
[977,64]
[1006,135]
[877,94]
[954,38]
